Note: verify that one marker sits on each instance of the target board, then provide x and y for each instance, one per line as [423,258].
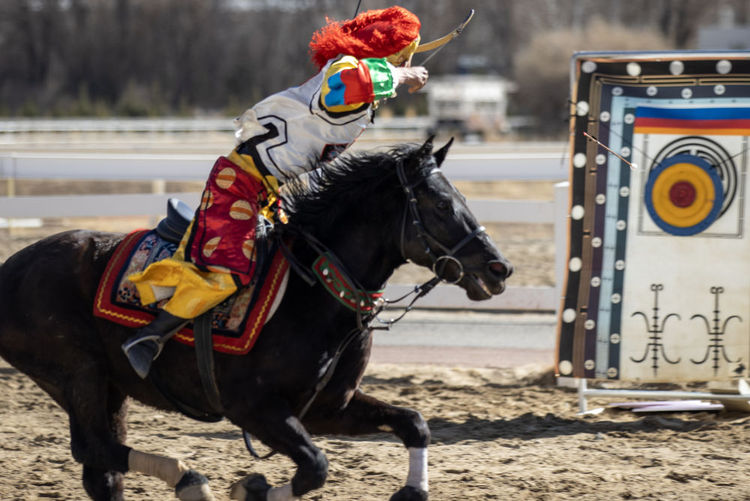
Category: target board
[658,272]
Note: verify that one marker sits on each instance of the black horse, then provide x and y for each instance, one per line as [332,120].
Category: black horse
[372,211]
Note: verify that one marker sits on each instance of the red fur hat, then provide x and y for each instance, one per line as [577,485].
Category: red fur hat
[374,33]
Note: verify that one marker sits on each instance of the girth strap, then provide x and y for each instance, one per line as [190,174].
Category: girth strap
[204,353]
[203,337]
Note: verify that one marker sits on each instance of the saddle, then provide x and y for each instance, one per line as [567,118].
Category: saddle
[172,227]
[235,323]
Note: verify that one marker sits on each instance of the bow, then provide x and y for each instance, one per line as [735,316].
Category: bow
[442,41]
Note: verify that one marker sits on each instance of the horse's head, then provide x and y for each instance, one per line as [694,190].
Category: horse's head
[440,232]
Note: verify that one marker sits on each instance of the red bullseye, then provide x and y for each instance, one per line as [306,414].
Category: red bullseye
[682,194]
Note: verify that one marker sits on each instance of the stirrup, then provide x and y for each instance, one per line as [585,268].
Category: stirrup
[154,338]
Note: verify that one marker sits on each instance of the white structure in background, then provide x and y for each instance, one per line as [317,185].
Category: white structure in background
[726,34]
[469,104]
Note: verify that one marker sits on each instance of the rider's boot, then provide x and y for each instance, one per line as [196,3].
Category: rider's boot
[146,344]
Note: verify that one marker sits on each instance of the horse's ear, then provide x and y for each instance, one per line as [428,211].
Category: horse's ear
[426,148]
[442,153]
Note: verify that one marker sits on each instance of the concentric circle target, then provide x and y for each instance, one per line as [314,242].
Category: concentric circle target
[684,195]
[713,153]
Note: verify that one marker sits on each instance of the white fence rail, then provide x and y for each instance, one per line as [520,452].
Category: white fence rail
[118,166]
[168,125]
[196,167]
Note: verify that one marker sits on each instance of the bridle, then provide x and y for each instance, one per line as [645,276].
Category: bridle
[439,261]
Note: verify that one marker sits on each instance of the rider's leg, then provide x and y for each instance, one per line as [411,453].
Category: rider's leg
[195,292]
[146,344]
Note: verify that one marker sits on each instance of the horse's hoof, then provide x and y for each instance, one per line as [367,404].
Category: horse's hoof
[250,488]
[409,493]
[193,487]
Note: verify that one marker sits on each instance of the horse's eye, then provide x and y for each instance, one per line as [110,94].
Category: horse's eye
[443,205]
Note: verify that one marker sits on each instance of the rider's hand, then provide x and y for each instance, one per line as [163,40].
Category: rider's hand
[415,77]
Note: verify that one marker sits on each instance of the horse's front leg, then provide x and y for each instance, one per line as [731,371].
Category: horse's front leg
[365,414]
[276,426]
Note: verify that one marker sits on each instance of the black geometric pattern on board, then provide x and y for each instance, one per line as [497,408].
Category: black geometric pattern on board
[715,334]
[655,330]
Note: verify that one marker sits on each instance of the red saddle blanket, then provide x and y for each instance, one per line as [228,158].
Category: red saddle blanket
[235,323]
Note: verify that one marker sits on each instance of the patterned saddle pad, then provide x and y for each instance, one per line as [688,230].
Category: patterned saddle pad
[235,323]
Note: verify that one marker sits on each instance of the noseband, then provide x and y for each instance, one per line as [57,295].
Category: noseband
[439,261]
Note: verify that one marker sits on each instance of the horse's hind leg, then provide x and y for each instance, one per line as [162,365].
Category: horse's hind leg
[100,483]
[97,419]
[366,414]
[97,431]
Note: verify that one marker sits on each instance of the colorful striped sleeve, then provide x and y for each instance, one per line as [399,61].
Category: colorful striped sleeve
[349,83]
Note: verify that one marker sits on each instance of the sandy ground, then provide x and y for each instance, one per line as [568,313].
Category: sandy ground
[496,434]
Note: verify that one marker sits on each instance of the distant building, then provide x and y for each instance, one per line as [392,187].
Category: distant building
[725,35]
[469,104]
[719,38]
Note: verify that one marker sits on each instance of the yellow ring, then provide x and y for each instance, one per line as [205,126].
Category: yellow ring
[683,217]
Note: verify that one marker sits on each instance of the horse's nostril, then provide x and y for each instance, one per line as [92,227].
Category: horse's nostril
[500,268]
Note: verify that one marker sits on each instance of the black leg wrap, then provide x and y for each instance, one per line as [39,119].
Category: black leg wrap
[189,479]
[256,487]
[409,493]
[311,476]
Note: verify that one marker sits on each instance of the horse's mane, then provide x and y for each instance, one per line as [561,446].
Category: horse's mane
[337,187]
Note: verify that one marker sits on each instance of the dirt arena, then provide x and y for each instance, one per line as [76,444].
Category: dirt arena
[496,434]
[505,432]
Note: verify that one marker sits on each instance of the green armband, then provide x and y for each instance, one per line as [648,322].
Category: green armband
[381,76]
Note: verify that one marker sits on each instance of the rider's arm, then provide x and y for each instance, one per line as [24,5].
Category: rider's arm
[349,83]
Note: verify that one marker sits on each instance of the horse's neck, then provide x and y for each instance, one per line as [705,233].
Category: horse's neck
[370,259]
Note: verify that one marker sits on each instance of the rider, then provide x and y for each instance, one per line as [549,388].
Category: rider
[361,61]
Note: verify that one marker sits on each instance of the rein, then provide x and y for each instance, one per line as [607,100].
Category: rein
[366,309]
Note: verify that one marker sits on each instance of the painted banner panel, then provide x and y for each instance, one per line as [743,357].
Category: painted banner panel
[658,278]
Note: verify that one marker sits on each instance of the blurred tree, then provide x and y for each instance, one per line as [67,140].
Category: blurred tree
[28,38]
[679,19]
[175,56]
[542,68]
